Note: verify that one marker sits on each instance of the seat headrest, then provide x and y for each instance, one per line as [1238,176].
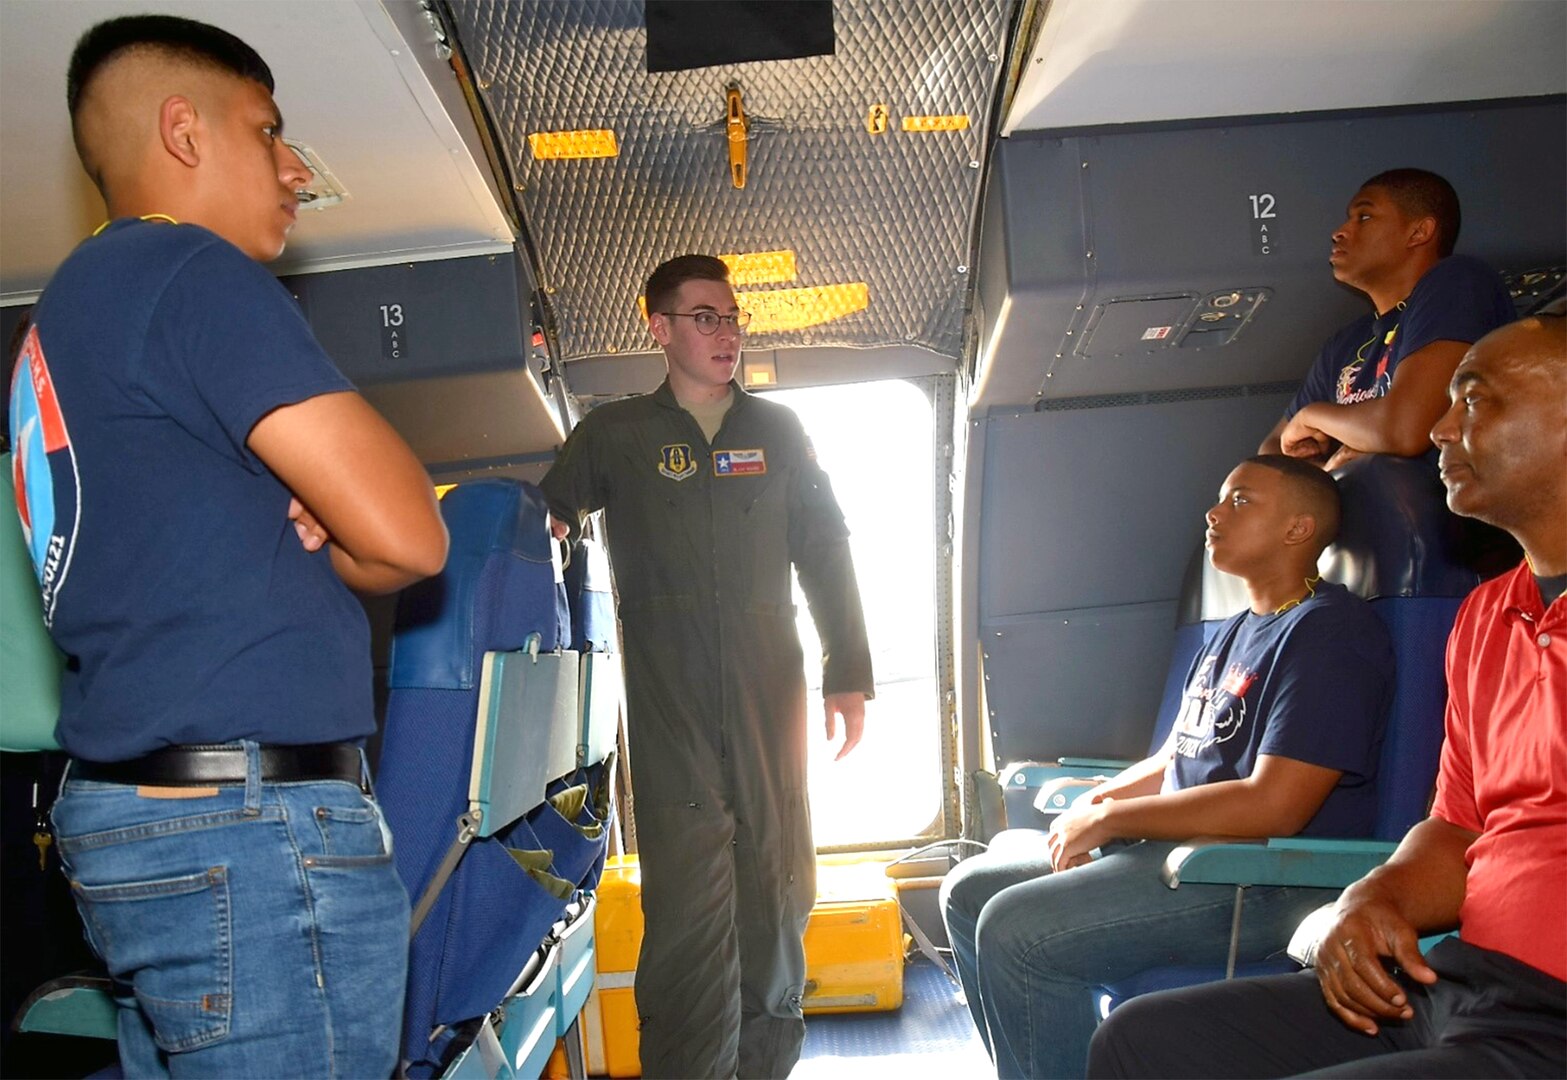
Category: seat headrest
[444,625]
[1397,538]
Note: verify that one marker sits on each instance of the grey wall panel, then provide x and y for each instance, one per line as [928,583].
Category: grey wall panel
[441,350]
[1038,710]
[10,319]
[1172,210]
[1090,508]
[472,418]
[1033,219]
[418,320]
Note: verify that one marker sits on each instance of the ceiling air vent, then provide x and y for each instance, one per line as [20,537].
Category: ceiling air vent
[324,189]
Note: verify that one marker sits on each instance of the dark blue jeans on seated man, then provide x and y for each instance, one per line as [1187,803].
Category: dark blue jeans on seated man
[1487,1015]
[1031,945]
[255,929]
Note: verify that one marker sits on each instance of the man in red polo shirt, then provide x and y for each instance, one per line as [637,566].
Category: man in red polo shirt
[1492,857]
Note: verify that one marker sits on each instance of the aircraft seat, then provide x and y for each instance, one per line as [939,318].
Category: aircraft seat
[499,821]
[592,601]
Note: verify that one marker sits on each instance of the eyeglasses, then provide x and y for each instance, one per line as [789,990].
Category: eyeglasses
[708,322]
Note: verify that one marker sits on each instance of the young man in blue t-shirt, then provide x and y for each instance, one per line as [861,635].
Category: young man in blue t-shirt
[1279,733]
[200,488]
[1379,384]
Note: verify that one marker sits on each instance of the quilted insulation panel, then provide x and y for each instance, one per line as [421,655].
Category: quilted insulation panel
[879,219]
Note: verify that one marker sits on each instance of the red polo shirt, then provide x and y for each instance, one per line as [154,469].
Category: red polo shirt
[1504,768]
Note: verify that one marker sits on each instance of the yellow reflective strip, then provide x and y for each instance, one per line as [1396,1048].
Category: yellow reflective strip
[760,267]
[554,145]
[955,122]
[442,489]
[776,310]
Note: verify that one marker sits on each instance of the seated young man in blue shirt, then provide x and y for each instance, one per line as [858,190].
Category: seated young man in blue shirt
[1279,733]
[1379,384]
[201,488]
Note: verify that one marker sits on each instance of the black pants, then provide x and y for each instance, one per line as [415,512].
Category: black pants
[1487,1015]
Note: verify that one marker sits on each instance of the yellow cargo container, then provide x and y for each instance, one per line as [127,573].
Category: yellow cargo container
[853,961]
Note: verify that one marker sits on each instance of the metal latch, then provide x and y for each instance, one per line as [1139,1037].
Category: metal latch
[738,127]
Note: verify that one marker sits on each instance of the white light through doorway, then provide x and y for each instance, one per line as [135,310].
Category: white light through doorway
[875,442]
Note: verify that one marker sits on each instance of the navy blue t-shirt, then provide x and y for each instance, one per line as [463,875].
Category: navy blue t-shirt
[170,572]
[1458,299]
[1312,684]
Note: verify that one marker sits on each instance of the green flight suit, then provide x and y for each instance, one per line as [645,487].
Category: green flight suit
[701,538]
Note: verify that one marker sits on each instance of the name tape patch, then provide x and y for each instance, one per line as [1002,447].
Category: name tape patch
[739,462]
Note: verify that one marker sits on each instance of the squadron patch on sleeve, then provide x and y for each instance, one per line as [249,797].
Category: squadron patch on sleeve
[739,463]
[676,461]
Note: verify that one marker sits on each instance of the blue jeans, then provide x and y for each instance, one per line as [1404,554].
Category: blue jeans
[250,930]
[1032,946]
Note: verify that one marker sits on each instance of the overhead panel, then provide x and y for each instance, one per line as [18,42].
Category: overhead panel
[861,169]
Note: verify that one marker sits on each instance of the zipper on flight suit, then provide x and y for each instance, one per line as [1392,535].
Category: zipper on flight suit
[712,529]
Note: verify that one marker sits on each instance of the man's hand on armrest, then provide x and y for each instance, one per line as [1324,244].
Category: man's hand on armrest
[358,483]
[1278,799]
[1085,826]
[1419,889]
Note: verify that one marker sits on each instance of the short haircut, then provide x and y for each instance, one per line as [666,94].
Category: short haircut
[1313,487]
[179,39]
[665,282]
[1419,194]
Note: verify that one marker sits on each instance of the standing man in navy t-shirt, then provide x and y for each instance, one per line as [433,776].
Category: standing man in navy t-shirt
[1279,733]
[200,488]
[1379,384]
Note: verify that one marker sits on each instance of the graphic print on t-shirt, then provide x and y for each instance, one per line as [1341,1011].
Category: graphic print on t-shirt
[1212,714]
[1346,393]
[43,464]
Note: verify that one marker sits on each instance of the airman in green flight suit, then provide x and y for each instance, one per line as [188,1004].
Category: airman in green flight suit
[710,495]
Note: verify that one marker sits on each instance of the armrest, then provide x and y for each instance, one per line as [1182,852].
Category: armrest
[72,1005]
[1057,795]
[1035,774]
[1094,764]
[1316,863]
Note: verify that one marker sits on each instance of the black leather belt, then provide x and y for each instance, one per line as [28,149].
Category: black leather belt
[206,766]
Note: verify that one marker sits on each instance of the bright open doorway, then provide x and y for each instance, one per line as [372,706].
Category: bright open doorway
[876,442]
